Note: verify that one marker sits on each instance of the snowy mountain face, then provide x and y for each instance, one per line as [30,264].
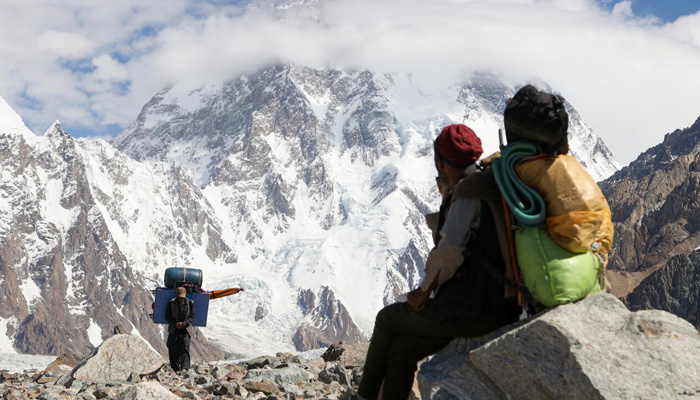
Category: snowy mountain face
[308,188]
[65,281]
[321,180]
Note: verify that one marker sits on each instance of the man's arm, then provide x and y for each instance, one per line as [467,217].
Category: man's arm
[190,317]
[444,259]
[169,313]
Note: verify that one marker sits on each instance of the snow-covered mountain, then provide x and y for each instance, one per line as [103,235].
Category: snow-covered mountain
[306,187]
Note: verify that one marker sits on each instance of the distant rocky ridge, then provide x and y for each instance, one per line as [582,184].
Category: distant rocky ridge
[656,203]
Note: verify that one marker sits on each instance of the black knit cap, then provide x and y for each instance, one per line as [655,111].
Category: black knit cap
[538,118]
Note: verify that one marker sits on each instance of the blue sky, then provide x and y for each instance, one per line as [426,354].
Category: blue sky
[93,65]
[666,10]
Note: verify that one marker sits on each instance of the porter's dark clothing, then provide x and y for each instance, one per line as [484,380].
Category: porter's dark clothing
[179,339]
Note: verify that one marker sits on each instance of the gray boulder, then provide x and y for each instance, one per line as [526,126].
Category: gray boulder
[281,376]
[147,390]
[115,360]
[335,373]
[594,349]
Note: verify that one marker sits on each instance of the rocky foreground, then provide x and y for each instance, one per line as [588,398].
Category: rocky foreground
[124,367]
[594,349]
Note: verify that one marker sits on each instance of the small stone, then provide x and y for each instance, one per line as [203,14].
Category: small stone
[241,391]
[15,394]
[133,378]
[265,386]
[87,396]
[333,352]
[47,379]
[7,376]
[77,384]
[236,375]
[317,363]
[220,390]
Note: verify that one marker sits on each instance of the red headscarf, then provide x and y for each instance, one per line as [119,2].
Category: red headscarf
[458,145]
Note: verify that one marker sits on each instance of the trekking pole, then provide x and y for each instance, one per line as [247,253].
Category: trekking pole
[501,142]
[511,246]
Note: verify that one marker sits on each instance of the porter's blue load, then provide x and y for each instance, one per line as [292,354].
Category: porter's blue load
[191,279]
[163,296]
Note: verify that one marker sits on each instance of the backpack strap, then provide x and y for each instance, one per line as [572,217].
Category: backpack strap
[482,186]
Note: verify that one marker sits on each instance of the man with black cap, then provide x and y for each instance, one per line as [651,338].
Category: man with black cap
[179,313]
[468,301]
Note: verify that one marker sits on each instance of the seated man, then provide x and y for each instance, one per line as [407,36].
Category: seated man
[469,299]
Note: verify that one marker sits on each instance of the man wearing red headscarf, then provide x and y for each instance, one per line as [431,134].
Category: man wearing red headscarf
[468,300]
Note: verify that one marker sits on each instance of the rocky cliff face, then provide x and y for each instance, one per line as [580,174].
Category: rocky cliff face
[655,203]
[66,282]
[675,287]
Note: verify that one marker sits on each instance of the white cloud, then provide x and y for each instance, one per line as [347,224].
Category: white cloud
[632,78]
[623,9]
[64,44]
[107,68]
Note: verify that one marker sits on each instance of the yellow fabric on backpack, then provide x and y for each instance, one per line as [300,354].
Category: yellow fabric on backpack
[578,216]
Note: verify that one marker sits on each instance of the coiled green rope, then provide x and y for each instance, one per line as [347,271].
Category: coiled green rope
[526,204]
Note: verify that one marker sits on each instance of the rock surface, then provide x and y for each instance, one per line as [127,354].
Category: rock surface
[595,349]
[284,376]
[116,359]
[147,390]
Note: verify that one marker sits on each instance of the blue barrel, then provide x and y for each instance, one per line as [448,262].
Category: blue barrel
[189,275]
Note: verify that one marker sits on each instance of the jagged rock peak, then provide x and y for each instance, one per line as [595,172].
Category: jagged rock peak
[55,130]
[11,122]
[675,144]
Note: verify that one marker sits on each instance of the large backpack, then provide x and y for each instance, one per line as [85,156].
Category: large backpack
[550,274]
[560,257]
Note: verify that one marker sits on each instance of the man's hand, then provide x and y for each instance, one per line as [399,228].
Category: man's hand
[179,325]
[486,162]
[416,298]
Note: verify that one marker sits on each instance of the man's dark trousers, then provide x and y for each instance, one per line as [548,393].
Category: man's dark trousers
[403,337]
[179,349]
